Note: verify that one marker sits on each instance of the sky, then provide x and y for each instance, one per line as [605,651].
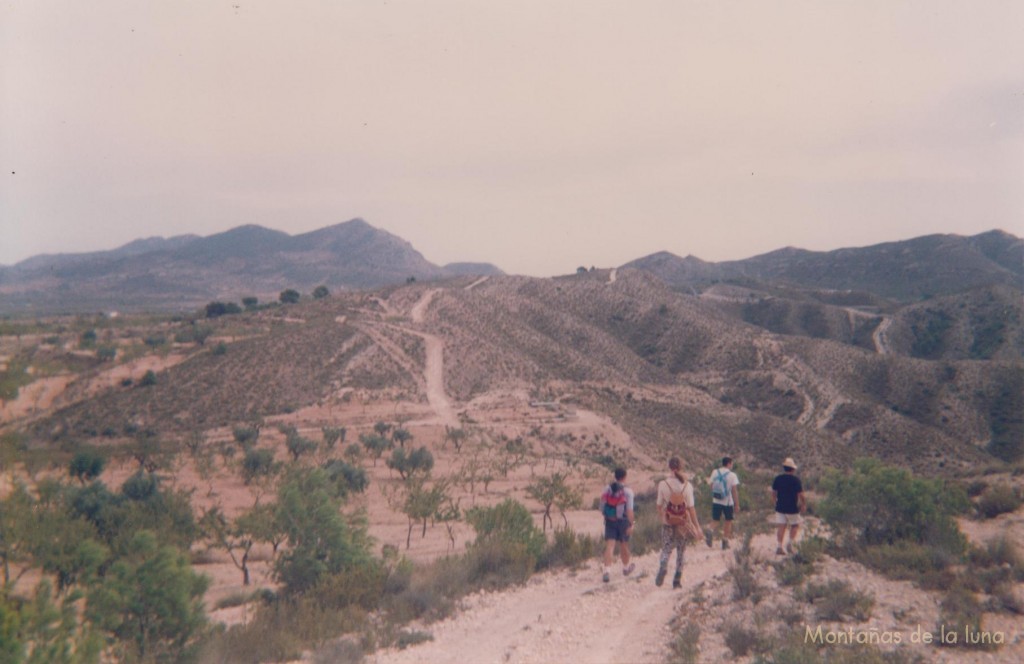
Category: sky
[538,135]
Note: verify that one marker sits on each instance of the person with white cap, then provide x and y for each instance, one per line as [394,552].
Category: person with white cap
[788,493]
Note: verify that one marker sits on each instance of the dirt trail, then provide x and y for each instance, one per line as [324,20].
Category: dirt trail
[420,308]
[570,616]
[881,347]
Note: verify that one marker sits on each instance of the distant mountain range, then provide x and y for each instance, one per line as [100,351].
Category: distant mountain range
[910,270]
[189,271]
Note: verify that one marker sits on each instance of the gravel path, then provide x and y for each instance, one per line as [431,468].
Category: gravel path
[568,616]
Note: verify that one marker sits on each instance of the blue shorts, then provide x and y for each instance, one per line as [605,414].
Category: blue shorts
[718,510]
[615,529]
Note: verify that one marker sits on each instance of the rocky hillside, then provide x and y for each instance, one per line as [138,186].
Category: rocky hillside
[909,270]
[674,370]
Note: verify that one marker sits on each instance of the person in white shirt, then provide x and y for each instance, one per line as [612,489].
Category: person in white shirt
[725,501]
[678,519]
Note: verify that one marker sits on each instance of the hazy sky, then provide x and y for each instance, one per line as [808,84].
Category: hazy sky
[535,135]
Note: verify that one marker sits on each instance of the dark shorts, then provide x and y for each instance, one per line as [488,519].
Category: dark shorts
[616,530]
[718,510]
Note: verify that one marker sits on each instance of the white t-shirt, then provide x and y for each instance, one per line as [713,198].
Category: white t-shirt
[731,480]
[671,485]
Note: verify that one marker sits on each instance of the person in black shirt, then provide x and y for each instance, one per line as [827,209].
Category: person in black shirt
[788,493]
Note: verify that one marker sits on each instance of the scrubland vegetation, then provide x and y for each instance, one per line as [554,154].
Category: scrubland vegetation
[111,496]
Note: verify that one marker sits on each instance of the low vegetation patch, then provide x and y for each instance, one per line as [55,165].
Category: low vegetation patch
[1000,499]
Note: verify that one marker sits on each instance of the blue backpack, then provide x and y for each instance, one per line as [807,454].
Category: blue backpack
[720,486]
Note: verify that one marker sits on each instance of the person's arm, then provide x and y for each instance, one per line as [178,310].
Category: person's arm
[693,518]
[801,502]
[735,499]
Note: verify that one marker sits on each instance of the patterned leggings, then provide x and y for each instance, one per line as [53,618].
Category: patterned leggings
[670,539]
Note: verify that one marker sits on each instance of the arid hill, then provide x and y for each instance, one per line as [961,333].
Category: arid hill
[676,371]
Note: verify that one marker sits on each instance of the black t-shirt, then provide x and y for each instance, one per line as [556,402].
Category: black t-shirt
[787,486]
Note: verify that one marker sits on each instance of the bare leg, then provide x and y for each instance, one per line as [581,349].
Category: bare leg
[609,548]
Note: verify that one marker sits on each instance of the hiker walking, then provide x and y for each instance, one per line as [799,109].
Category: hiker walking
[678,521]
[617,508]
[725,501]
[788,493]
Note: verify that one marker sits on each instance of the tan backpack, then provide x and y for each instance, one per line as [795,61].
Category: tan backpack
[678,514]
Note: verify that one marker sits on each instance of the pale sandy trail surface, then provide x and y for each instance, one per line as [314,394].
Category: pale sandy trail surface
[569,616]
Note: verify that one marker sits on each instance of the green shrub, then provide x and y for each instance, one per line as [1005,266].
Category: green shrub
[411,638]
[909,561]
[996,569]
[960,611]
[743,640]
[837,601]
[646,535]
[743,574]
[685,646]
[877,504]
[1000,499]
[569,549]
[507,522]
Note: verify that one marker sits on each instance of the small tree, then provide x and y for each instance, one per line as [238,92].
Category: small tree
[332,435]
[150,600]
[417,462]
[258,463]
[374,444]
[250,303]
[298,445]
[353,452]
[246,437]
[231,537]
[289,296]
[553,491]
[148,378]
[261,522]
[87,465]
[401,436]
[321,541]
[457,436]
[320,292]
[422,504]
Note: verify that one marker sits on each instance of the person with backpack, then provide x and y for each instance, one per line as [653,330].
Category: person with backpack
[678,519]
[617,508]
[788,492]
[725,501]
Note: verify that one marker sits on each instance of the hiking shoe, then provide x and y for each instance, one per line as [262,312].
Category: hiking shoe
[606,577]
[789,548]
[659,578]
[725,544]
[626,571]
[707,536]
[677,582]
[780,552]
